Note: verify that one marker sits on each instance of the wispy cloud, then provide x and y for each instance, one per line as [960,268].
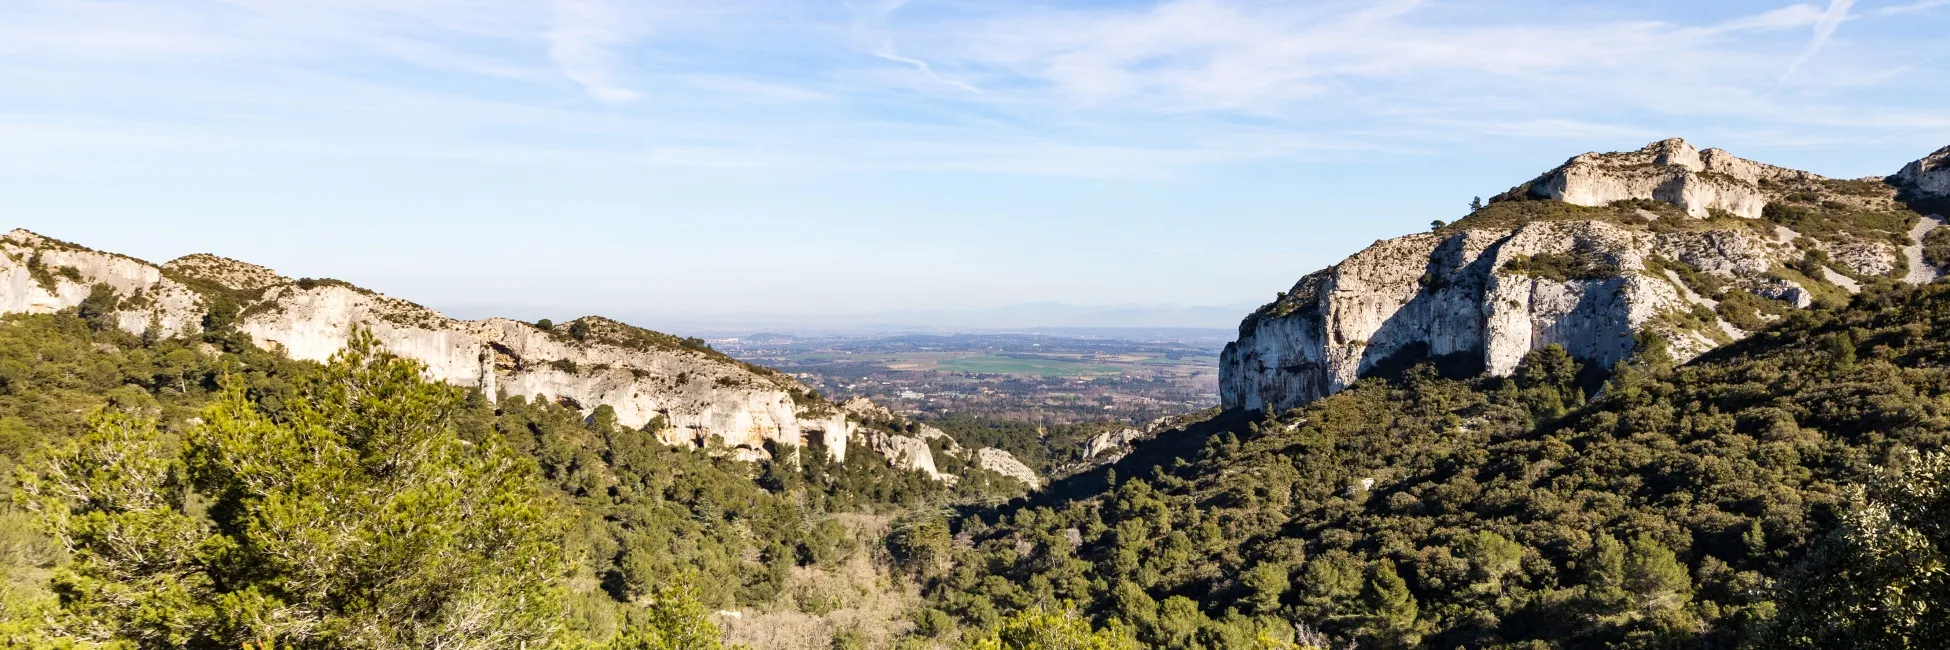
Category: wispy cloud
[1195,82]
[871,25]
[887,52]
[1825,27]
[1789,17]
[1418,66]
[583,40]
[1913,7]
[943,130]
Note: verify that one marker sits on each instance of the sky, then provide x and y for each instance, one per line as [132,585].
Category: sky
[779,161]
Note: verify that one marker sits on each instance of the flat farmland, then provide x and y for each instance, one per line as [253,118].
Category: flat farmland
[1038,377]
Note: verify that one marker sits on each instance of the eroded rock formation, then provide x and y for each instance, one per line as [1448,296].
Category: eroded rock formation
[1004,463]
[679,388]
[1529,271]
[1929,177]
[1669,170]
[689,393]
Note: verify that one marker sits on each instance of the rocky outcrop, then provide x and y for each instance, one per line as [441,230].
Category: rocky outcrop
[888,435]
[1004,463]
[905,452]
[41,275]
[1476,301]
[1478,296]
[1111,445]
[1929,177]
[1671,171]
[680,388]
[912,445]
[687,392]
[224,272]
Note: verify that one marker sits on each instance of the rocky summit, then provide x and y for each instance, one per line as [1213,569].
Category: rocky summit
[1601,255]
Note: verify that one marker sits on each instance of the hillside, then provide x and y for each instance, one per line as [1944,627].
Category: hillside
[742,492]
[1676,509]
[784,543]
[1695,247]
[681,388]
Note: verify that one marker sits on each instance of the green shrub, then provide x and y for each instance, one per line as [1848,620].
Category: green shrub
[1562,267]
[1936,248]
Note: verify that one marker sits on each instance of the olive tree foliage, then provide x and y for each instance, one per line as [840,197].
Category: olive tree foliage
[359,518]
[1882,579]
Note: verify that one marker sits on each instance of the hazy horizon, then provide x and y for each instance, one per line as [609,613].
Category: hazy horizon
[1016,317]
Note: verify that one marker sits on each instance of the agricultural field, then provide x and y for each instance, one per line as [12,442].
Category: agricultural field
[1049,378]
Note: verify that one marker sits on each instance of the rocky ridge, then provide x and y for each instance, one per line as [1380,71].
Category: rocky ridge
[921,447]
[680,388]
[1695,247]
[1670,171]
[1928,177]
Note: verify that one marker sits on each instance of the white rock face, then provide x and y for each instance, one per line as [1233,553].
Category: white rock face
[905,452]
[1463,299]
[39,275]
[698,395]
[913,452]
[1004,463]
[1111,443]
[1929,177]
[1455,299]
[1668,170]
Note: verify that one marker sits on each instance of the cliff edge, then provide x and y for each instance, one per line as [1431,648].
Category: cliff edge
[1605,252]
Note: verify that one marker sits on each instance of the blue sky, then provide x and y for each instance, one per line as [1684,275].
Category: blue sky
[770,159]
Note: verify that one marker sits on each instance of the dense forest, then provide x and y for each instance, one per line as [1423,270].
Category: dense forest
[1783,491]
[205,493]
[1786,490]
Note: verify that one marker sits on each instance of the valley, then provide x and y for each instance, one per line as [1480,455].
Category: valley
[1047,378]
[1660,398]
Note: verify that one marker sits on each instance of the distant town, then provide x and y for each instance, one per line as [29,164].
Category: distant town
[1044,378]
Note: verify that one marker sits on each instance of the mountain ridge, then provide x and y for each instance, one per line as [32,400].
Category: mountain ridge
[679,388]
[1693,247]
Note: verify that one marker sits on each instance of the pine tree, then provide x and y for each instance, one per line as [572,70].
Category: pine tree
[1041,629]
[1654,576]
[1268,583]
[674,621]
[1391,608]
[358,519]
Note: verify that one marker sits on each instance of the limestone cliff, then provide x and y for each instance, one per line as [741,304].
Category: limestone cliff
[902,442]
[1670,171]
[1004,463]
[40,275]
[689,393]
[681,388]
[1929,177]
[1695,246]
[1109,446]
[920,447]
